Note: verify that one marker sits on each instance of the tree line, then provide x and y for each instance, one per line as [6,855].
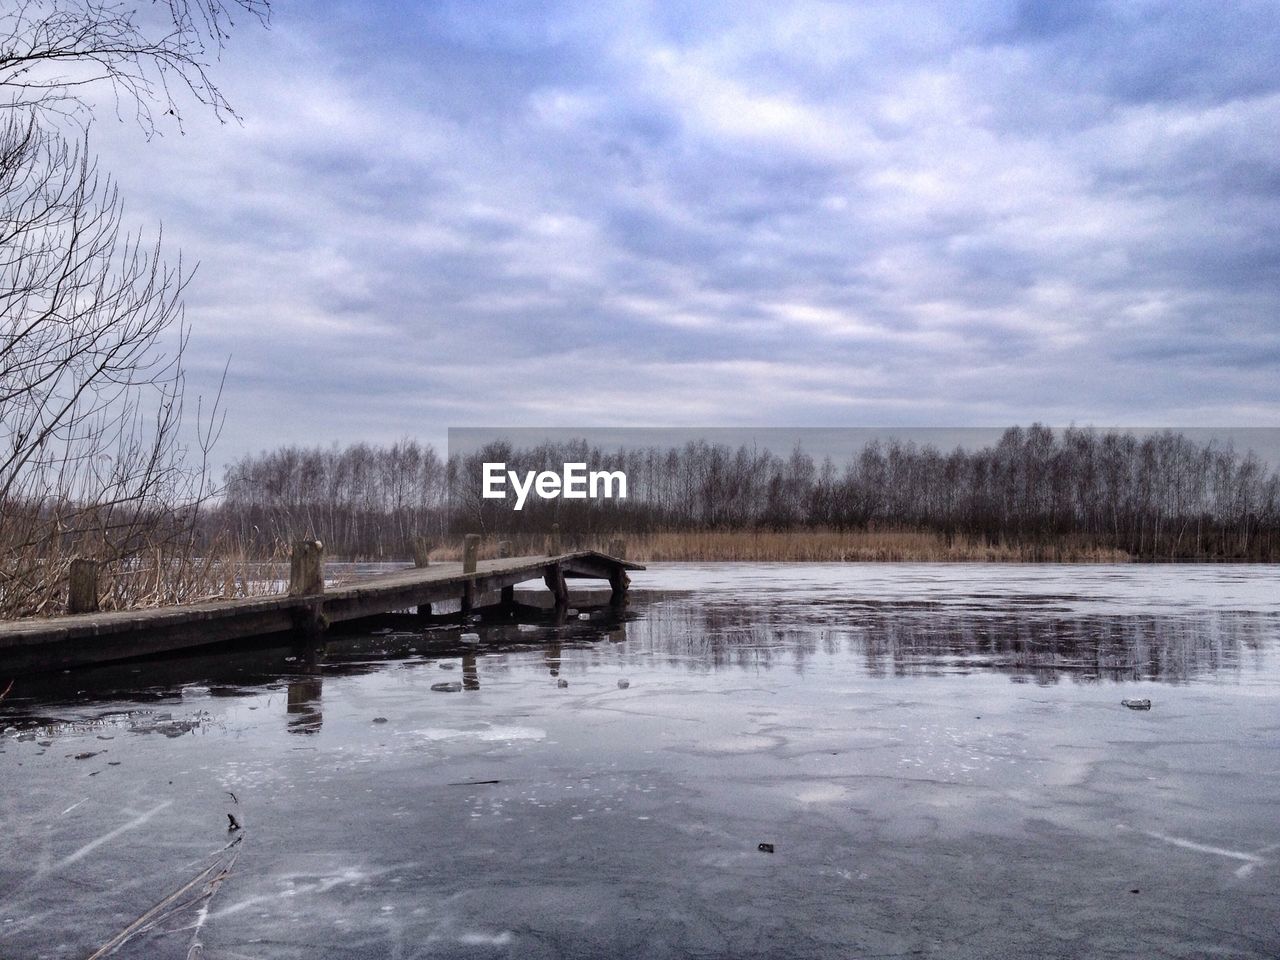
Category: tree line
[362,501]
[1155,496]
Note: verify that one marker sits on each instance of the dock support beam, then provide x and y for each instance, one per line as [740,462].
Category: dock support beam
[508,593]
[554,579]
[618,583]
[82,586]
[309,620]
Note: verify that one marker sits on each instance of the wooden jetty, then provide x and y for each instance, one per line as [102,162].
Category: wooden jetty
[306,611]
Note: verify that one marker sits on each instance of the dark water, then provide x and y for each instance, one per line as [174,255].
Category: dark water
[938,755]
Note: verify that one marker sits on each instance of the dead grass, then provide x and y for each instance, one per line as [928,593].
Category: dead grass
[814,546]
[223,573]
[153,578]
[819,546]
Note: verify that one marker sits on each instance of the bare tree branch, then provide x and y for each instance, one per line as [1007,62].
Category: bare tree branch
[92,452]
[151,57]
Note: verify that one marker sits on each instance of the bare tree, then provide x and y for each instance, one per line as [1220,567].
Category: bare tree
[92,454]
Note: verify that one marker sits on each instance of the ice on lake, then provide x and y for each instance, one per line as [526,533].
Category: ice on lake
[937,753]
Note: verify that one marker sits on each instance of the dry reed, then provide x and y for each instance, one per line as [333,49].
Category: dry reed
[825,546]
[227,572]
[817,546]
[222,573]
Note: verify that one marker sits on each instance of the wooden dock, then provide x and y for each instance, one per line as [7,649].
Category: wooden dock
[306,611]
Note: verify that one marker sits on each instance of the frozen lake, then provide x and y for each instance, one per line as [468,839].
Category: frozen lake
[938,755]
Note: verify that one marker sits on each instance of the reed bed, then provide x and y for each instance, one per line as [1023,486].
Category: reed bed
[155,577]
[814,546]
[226,572]
[845,546]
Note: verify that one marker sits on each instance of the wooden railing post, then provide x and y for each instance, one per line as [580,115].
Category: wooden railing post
[553,541]
[618,548]
[422,558]
[306,569]
[82,586]
[470,555]
[470,552]
[504,549]
[306,579]
[421,552]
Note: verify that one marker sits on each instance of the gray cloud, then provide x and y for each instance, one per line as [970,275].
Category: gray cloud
[702,213]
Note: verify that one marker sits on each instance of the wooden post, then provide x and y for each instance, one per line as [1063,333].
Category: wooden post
[618,583]
[470,554]
[309,619]
[421,552]
[422,558]
[508,593]
[618,548]
[508,599]
[306,579]
[306,569]
[82,586]
[553,541]
[554,579]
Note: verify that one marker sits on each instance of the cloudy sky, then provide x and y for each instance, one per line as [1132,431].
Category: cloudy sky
[705,213]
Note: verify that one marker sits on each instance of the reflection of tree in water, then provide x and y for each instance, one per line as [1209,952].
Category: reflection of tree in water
[919,640]
[1089,648]
[704,637]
